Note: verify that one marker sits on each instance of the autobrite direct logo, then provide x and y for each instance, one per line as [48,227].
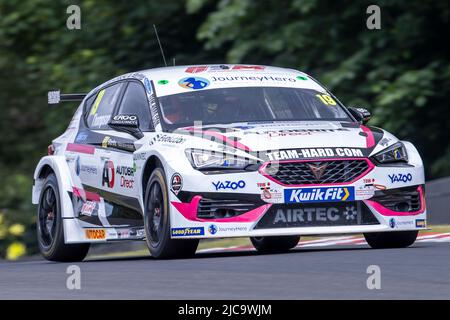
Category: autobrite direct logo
[330,194]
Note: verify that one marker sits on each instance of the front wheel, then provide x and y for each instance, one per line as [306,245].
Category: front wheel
[50,232]
[157,222]
[394,239]
[274,244]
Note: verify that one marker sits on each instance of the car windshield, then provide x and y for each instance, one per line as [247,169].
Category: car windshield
[248,104]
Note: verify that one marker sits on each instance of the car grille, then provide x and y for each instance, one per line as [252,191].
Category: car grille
[316,172]
[223,208]
[400,200]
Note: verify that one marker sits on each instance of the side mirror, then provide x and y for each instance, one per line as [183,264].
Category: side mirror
[362,115]
[127,123]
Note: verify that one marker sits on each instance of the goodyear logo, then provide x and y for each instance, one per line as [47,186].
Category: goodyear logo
[186,232]
[323,194]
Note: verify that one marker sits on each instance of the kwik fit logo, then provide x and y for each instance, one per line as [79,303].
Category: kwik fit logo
[324,194]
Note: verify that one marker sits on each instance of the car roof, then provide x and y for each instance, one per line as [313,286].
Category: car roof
[169,80]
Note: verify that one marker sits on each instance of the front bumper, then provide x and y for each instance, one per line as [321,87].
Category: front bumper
[252,208]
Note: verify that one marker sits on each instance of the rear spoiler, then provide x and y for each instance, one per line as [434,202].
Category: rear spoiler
[55,97]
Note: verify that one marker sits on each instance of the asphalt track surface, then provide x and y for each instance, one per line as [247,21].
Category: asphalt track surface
[334,272]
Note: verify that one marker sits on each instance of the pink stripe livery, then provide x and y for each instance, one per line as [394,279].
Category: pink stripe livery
[80,148]
[189,211]
[370,140]
[388,212]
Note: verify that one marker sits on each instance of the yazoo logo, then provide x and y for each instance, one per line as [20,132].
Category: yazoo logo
[324,194]
[219,185]
[193,83]
[400,177]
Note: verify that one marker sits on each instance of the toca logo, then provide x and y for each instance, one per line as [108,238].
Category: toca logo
[96,234]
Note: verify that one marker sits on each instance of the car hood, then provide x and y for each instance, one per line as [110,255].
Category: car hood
[290,135]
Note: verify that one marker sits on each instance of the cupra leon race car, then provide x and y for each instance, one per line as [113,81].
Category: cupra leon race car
[177,154]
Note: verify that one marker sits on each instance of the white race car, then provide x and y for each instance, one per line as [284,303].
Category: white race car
[174,155]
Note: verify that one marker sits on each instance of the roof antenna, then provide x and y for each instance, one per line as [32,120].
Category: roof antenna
[160,46]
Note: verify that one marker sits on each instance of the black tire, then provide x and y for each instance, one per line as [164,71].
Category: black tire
[50,231]
[274,244]
[394,239]
[157,222]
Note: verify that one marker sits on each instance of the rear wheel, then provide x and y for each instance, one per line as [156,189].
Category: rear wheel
[395,239]
[50,231]
[157,222]
[274,244]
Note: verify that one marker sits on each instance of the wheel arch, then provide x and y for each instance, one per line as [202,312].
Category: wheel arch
[46,166]
[152,163]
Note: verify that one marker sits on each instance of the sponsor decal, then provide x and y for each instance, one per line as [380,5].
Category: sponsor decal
[405,223]
[188,231]
[139,156]
[196,69]
[88,208]
[124,172]
[81,137]
[400,177]
[100,121]
[148,86]
[379,186]
[212,229]
[199,69]
[421,223]
[109,142]
[392,223]
[193,83]
[260,79]
[108,174]
[167,139]
[321,194]
[316,215]
[225,185]
[77,165]
[95,234]
[105,142]
[176,183]
[88,169]
[385,142]
[269,194]
[125,120]
[308,153]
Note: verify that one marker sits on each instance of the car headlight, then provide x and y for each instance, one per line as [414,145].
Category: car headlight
[216,160]
[395,153]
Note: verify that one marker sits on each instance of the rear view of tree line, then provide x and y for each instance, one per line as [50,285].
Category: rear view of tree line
[400,72]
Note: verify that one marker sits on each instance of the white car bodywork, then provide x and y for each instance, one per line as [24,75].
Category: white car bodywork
[80,167]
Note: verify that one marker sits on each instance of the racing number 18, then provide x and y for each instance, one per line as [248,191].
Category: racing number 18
[326,99]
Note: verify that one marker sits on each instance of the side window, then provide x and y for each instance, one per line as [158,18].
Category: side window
[100,112]
[135,102]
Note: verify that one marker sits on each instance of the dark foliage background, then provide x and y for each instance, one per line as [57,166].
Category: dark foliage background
[401,72]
